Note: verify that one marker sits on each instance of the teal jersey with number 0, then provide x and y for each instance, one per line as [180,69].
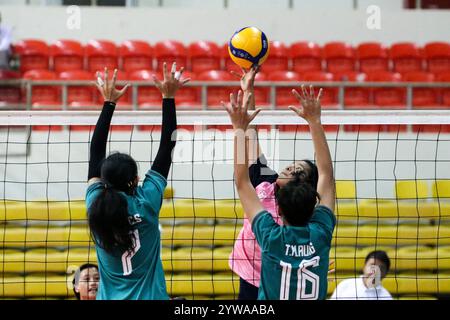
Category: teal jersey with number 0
[136,275]
[294,259]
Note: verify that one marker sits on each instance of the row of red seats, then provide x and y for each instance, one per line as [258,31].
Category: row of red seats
[64,55]
[354,97]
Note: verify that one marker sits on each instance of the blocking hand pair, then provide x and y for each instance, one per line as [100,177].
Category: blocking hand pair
[168,86]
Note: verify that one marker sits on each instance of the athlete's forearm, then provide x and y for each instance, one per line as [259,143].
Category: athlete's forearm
[323,156]
[163,158]
[99,138]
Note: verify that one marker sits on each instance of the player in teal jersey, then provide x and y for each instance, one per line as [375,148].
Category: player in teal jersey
[123,217]
[295,256]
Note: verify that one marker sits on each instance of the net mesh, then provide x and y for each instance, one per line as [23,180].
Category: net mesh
[393,190]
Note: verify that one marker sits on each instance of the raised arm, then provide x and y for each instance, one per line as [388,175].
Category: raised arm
[168,87]
[258,169]
[311,112]
[247,80]
[241,120]
[98,143]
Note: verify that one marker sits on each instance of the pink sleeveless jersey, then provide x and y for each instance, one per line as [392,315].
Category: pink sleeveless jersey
[245,259]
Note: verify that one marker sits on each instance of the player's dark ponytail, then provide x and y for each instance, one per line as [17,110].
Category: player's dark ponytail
[108,214]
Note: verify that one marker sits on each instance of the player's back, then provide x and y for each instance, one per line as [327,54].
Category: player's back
[136,274]
[294,259]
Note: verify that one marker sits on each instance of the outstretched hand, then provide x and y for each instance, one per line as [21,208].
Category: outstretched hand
[311,108]
[108,87]
[238,111]
[171,81]
[247,78]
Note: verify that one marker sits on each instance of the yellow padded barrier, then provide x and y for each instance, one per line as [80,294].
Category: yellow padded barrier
[371,235]
[347,209]
[352,259]
[197,208]
[202,284]
[44,237]
[443,253]
[441,189]
[415,297]
[418,284]
[415,258]
[345,189]
[168,193]
[45,260]
[42,210]
[196,259]
[383,208]
[36,286]
[215,284]
[411,189]
[199,235]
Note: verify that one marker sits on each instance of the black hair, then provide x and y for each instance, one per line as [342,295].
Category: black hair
[108,214]
[297,200]
[381,256]
[76,277]
[313,175]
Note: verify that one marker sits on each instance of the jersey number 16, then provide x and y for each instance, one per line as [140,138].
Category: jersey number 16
[303,275]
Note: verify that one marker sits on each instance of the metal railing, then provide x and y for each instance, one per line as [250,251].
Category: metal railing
[27,87]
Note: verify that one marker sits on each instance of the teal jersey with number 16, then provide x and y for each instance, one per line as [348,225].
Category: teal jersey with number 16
[294,259]
[136,274]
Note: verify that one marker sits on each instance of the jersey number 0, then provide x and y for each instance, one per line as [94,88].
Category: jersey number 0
[126,257]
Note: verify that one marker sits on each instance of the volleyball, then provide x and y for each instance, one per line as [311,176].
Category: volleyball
[248,47]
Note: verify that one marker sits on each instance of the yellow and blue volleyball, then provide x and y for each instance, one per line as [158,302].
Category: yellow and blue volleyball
[248,47]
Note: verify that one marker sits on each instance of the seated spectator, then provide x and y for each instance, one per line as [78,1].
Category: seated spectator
[367,286]
[85,282]
[5,45]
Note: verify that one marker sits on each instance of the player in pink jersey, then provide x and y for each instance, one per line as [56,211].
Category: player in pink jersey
[245,259]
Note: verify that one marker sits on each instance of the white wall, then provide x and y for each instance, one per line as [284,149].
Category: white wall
[317,23]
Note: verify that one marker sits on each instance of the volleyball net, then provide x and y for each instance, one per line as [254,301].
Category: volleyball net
[392,171]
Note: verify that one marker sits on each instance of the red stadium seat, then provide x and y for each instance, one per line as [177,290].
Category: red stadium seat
[79,95]
[329,98]
[67,55]
[329,95]
[9,94]
[227,63]
[204,56]
[34,55]
[445,92]
[169,52]
[44,97]
[422,97]
[217,94]
[354,97]
[262,94]
[42,93]
[372,57]
[101,54]
[189,96]
[148,96]
[339,57]
[136,55]
[438,56]
[406,57]
[278,59]
[284,94]
[306,56]
[388,97]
